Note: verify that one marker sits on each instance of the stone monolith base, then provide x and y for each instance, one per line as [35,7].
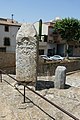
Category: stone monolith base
[60,77]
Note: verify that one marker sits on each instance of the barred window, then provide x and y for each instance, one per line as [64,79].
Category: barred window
[7,41]
[41,52]
[2,49]
[6,28]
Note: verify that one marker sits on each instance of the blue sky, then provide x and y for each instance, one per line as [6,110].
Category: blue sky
[33,10]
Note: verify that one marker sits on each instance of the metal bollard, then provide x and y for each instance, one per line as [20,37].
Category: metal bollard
[0,76]
[24,94]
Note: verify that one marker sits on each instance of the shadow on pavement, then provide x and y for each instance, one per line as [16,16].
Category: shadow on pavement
[40,85]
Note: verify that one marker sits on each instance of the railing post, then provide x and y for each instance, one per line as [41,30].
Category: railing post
[24,94]
[0,76]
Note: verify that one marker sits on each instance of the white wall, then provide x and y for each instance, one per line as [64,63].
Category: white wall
[11,34]
[45,32]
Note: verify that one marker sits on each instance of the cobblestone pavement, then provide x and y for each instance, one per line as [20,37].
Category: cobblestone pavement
[35,108]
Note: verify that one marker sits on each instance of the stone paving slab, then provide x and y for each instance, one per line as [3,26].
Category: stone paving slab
[12,107]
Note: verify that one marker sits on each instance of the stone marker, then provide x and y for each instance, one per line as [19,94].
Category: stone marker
[60,77]
[26,54]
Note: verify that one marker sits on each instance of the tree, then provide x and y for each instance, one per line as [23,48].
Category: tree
[69,29]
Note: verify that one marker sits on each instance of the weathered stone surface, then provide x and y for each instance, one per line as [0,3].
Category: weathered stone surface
[60,77]
[12,107]
[26,53]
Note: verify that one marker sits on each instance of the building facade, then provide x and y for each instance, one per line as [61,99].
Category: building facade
[52,43]
[46,45]
[8,31]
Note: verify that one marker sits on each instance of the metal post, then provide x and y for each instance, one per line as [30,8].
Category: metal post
[24,94]
[0,76]
[40,29]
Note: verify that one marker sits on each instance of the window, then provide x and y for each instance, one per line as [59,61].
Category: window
[50,52]
[41,52]
[50,31]
[45,38]
[2,49]
[76,46]
[6,28]
[7,41]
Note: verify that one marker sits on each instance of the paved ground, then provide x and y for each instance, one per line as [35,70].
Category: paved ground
[35,108]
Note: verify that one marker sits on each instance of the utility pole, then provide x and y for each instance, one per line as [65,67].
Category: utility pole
[40,28]
[12,18]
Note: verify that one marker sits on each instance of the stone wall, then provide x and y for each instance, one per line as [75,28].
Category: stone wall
[45,69]
[7,62]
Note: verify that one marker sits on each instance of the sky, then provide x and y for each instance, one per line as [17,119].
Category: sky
[34,10]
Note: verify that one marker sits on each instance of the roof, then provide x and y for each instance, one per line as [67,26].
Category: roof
[10,22]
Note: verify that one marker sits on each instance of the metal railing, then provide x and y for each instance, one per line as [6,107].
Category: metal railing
[26,86]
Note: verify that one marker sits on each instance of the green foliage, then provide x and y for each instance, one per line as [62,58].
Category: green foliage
[68,28]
